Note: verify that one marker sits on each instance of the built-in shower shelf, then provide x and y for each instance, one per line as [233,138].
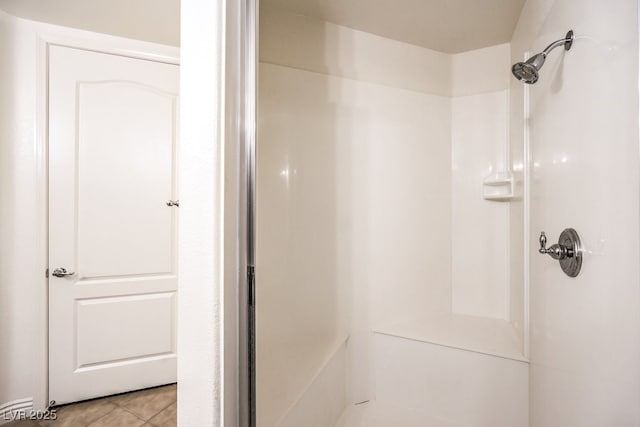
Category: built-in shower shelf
[498,186]
[497,182]
[478,334]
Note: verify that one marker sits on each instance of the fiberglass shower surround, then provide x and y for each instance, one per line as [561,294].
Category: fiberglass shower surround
[367,191]
[398,221]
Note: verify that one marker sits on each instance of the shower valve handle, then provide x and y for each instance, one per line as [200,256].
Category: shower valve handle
[543,243]
[568,251]
[556,251]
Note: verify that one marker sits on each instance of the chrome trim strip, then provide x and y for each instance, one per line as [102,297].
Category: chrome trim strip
[247,91]
[251,121]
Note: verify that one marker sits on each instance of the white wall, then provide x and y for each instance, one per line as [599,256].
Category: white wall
[156,21]
[482,245]
[309,44]
[583,129]
[352,160]
[480,239]
[201,246]
[479,71]
[480,250]
[340,217]
[22,261]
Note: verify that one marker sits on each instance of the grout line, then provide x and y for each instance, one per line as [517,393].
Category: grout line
[161,410]
[96,420]
[136,415]
[140,417]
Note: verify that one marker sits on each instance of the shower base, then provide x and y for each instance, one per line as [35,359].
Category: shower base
[384,414]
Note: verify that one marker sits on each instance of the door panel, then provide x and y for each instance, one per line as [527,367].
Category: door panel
[100,322]
[124,179]
[112,157]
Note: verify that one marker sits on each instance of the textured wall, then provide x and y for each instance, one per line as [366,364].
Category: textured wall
[201,251]
[22,251]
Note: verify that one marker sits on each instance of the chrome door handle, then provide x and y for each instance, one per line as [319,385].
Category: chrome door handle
[175,203]
[62,272]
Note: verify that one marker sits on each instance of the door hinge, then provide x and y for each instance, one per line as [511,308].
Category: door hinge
[46,273]
[251,285]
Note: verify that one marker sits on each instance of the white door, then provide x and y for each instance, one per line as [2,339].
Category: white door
[112,170]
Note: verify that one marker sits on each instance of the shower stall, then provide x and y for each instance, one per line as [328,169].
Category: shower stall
[401,191]
[384,251]
[409,187]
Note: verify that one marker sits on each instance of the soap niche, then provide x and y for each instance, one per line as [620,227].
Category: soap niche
[498,186]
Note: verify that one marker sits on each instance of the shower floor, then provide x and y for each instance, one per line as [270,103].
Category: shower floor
[379,414]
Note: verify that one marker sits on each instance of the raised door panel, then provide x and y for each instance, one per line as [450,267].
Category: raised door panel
[125,151]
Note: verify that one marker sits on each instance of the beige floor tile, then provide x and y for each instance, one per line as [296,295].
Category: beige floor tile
[80,414]
[122,399]
[119,399]
[147,403]
[118,418]
[166,418]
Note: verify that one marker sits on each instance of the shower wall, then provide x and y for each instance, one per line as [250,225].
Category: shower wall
[579,124]
[371,216]
[480,238]
[332,252]
[478,147]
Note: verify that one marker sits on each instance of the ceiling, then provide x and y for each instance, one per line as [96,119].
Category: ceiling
[150,20]
[450,26]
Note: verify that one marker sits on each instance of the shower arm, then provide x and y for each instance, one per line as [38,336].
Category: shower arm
[527,71]
[567,42]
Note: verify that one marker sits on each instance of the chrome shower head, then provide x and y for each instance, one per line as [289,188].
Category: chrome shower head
[528,72]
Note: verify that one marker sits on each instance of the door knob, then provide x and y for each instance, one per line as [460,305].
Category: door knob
[62,272]
[175,203]
[568,251]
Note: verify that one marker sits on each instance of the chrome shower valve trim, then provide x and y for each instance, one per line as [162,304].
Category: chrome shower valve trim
[568,251]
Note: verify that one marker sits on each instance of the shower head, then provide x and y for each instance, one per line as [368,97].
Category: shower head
[527,72]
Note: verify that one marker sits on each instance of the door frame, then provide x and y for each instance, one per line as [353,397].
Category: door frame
[46,36]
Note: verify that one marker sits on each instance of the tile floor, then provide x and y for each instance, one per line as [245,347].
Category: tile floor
[154,407]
